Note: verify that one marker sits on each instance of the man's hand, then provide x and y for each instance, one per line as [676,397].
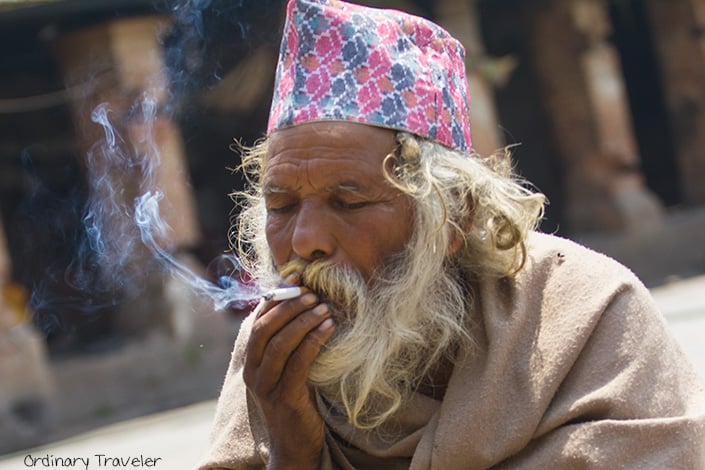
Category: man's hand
[285,340]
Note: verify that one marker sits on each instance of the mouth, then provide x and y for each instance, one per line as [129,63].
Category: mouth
[329,282]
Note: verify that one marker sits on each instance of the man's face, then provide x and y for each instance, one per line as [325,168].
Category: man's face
[327,197]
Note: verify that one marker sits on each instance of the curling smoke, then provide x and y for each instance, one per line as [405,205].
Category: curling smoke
[111,226]
[123,241]
[230,293]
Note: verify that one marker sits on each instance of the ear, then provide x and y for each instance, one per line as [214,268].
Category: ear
[461,230]
[457,242]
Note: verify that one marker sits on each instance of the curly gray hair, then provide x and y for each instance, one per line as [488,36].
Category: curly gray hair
[479,200]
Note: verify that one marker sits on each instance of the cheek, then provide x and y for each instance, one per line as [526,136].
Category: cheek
[278,240]
[382,235]
[401,227]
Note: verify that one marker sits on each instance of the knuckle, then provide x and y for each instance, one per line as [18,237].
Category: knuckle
[305,321]
[254,385]
[251,376]
[248,377]
[276,347]
[258,328]
[306,353]
[315,338]
[298,363]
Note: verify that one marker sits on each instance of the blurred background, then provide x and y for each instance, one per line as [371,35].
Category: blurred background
[102,101]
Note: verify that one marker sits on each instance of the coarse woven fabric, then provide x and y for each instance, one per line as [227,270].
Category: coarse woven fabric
[576,369]
[340,61]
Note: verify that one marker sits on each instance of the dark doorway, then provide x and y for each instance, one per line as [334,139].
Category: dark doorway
[520,106]
[632,38]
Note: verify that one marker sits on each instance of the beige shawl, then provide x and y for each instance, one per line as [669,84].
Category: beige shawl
[576,369]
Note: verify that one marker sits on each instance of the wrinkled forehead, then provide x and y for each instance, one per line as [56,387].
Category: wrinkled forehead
[338,157]
[349,141]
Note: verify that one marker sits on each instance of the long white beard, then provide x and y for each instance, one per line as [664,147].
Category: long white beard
[389,335]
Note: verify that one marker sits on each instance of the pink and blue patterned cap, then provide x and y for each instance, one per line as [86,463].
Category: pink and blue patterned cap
[340,61]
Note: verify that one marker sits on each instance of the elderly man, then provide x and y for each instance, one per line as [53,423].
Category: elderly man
[436,329]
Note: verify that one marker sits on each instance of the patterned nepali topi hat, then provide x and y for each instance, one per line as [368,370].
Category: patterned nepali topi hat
[340,61]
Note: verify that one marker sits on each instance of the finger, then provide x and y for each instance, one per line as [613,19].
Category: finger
[265,327]
[270,319]
[292,279]
[296,371]
[265,305]
[282,346]
[273,318]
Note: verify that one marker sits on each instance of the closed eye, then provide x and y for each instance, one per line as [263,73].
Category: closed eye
[351,205]
[281,209]
[279,203]
[349,196]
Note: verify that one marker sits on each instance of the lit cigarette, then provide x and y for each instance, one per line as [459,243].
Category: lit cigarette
[283,293]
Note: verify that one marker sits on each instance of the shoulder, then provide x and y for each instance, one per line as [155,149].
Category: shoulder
[575,272]
[564,290]
[545,251]
[587,301]
[561,295]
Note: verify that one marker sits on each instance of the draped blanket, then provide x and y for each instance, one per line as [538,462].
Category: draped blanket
[575,368]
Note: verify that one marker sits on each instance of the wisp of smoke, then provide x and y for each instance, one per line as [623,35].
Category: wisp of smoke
[231,293]
[146,215]
[123,237]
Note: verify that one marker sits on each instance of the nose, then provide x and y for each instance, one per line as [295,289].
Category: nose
[313,236]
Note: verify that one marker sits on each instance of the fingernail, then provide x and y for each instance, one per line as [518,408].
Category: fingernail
[327,324]
[309,298]
[320,309]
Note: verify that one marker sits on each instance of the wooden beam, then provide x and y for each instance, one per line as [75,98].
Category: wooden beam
[678,28]
[583,88]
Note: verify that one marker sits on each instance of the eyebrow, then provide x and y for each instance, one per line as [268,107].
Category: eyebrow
[346,186]
[273,189]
